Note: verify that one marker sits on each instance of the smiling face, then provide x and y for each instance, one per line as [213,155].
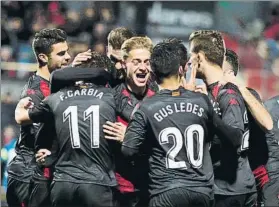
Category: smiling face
[138,67]
[59,56]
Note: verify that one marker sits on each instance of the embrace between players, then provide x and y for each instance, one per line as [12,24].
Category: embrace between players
[127,129]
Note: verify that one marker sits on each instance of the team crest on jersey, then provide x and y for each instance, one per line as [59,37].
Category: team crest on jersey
[216,107]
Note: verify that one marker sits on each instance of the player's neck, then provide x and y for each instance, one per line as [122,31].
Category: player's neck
[43,72]
[213,74]
[135,89]
[171,83]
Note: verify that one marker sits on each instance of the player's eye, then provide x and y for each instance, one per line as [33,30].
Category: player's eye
[62,53]
[135,62]
[147,63]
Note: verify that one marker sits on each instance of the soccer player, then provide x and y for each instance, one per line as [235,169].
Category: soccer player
[257,131]
[174,129]
[270,190]
[234,180]
[135,59]
[51,50]
[258,149]
[84,169]
[115,39]
[263,154]
[255,105]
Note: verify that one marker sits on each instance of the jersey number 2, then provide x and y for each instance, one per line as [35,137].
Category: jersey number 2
[91,114]
[178,138]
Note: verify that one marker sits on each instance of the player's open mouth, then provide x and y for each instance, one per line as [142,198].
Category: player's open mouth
[141,75]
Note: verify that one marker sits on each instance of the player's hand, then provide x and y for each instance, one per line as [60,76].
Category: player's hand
[115,131]
[40,156]
[26,103]
[82,57]
[201,89]
[191,84]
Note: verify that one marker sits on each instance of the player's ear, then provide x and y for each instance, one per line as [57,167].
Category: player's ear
[181,70]
[123,64]
[43,58]
[186,68]
[201,57]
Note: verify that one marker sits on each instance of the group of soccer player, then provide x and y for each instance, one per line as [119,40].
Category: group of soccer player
[127,129]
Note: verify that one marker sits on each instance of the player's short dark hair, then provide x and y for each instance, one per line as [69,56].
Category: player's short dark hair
[165,60]
[99,61]
[44,39]
[182,50]
[232,58]
[211,43]
[118,36]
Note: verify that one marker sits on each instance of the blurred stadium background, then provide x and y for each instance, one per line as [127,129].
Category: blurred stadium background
[250,28]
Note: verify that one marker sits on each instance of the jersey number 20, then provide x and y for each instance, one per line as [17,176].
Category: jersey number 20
[91,114]
[188,140]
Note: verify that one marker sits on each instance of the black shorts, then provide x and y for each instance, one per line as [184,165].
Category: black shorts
[131,199]
[39,192]
[270,193]
[180,197]
[17,193]
[249,200]
[67,194]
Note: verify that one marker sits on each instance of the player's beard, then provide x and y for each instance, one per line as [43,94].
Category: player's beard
[200,74]
[51,67]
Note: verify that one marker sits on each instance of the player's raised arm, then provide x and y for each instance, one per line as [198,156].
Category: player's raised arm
[27,113]
[87,71]
[21,111]
[257,109]
[135,134]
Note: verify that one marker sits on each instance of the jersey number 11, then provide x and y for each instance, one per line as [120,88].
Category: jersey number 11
[91,114]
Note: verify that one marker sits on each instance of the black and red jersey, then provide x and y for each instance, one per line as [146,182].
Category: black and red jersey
[232,172]
[21,167]
[126,102]
[174,130]
[77,115]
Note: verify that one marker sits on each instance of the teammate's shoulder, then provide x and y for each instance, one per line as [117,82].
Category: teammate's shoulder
[36,85]
[228,90]
[119,87]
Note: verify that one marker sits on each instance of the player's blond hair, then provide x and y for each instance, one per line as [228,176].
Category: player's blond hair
[136,43]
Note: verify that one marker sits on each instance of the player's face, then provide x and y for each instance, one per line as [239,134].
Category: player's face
[59,57]
[115,57]
[138,66]
[193,59]
[227,68]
